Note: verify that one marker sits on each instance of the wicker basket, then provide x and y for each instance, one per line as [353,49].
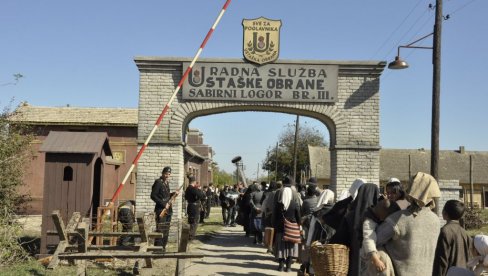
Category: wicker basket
[329,259]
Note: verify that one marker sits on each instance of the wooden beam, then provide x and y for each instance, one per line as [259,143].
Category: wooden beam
[63,244]
[59,224]
[181,263]
[129,255]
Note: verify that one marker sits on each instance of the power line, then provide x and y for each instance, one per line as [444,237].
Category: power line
[398,27]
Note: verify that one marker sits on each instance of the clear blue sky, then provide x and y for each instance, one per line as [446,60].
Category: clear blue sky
[81,53]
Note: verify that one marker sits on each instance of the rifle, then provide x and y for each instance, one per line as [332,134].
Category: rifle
[171,200]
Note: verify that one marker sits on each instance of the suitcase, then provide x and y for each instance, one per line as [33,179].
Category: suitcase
[268,237]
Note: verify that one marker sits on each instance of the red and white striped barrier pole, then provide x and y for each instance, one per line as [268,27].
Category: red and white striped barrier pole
[161,116]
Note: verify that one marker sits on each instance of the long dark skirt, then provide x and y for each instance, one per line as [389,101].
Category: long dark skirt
[284,249]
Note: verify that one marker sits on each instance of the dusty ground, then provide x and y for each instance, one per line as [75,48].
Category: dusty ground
[229,252]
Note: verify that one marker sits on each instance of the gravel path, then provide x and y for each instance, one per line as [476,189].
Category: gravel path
[229,252]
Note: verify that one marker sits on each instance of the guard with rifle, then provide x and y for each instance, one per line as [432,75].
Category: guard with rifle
[164,199]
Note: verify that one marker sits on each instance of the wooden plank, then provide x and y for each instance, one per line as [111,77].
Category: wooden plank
[142,228]
[181,263]
[107,234]
[128,255]
[141,223]
[83,237]
[55,259]
[59,224]
[63,244]
[81,268]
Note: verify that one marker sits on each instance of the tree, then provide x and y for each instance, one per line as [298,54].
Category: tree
[306,136]
[14,154]
[221,177]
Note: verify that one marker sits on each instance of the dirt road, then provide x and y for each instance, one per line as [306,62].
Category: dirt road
[229,252]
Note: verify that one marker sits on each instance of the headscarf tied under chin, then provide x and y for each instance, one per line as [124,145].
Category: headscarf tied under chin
[286,197]
[481,244]
[424,189]
[353,190]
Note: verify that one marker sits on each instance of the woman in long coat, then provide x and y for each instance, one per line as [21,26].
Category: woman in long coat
[286,206]
[350,230]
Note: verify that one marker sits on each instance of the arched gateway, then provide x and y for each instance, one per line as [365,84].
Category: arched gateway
[344,95]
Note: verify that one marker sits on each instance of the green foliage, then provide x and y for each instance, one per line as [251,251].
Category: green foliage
[283,153]
[14,154]
[473,219]
[221,178]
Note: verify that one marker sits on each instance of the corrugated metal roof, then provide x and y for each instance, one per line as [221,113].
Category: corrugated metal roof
[76,142]
[76,115]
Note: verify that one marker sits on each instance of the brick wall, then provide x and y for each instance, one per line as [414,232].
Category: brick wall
[449,190]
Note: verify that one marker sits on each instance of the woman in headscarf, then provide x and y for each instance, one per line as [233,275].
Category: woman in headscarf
[317,230]
[479,263]
[350,230]
[286,206]
[410,236]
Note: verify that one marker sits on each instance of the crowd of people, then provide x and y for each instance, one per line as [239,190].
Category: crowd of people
[395,233]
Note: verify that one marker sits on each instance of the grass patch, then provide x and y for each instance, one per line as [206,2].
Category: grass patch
[483,230]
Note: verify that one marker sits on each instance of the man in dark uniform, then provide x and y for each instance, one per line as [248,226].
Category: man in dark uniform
[161,195]
[193,196]
[126,218]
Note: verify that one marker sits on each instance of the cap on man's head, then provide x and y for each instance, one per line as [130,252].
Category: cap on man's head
[394,180]
[167,169]
[312,181]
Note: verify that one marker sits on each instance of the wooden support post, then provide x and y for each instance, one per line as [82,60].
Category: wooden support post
[183,246]
[82,245]
[59,224]
[143,229]
[483,197]
[63,234]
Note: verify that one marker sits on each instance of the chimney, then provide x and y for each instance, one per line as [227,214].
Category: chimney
[461,149]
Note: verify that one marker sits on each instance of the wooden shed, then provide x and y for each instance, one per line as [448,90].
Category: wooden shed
[73,179]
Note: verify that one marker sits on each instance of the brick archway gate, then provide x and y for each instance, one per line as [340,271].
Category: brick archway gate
[352,120]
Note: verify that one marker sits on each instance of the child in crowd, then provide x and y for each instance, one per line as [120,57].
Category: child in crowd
[372,218]
[394,189]
[453,244]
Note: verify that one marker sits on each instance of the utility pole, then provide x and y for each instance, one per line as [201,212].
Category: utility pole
[295,149]
[436,90]
[276,159]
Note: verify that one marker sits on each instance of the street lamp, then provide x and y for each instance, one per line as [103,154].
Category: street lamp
[436,81]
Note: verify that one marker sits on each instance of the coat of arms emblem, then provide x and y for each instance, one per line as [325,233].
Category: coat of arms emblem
[261,40]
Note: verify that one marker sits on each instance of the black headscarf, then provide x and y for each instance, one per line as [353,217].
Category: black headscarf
[368,195]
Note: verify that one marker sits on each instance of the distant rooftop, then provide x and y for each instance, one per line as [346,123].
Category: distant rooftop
[40,115]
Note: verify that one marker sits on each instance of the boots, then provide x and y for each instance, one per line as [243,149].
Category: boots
[288,264]
[280,265]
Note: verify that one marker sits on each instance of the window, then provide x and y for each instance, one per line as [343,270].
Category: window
[68,174]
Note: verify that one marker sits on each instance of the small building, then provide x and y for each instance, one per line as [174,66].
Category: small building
[75,170]
[201,163]
[120,124]
[464,166]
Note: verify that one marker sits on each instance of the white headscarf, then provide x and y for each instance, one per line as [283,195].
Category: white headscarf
[344,194]
[353,190]
[481,245]
[286,197]
[326,196]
